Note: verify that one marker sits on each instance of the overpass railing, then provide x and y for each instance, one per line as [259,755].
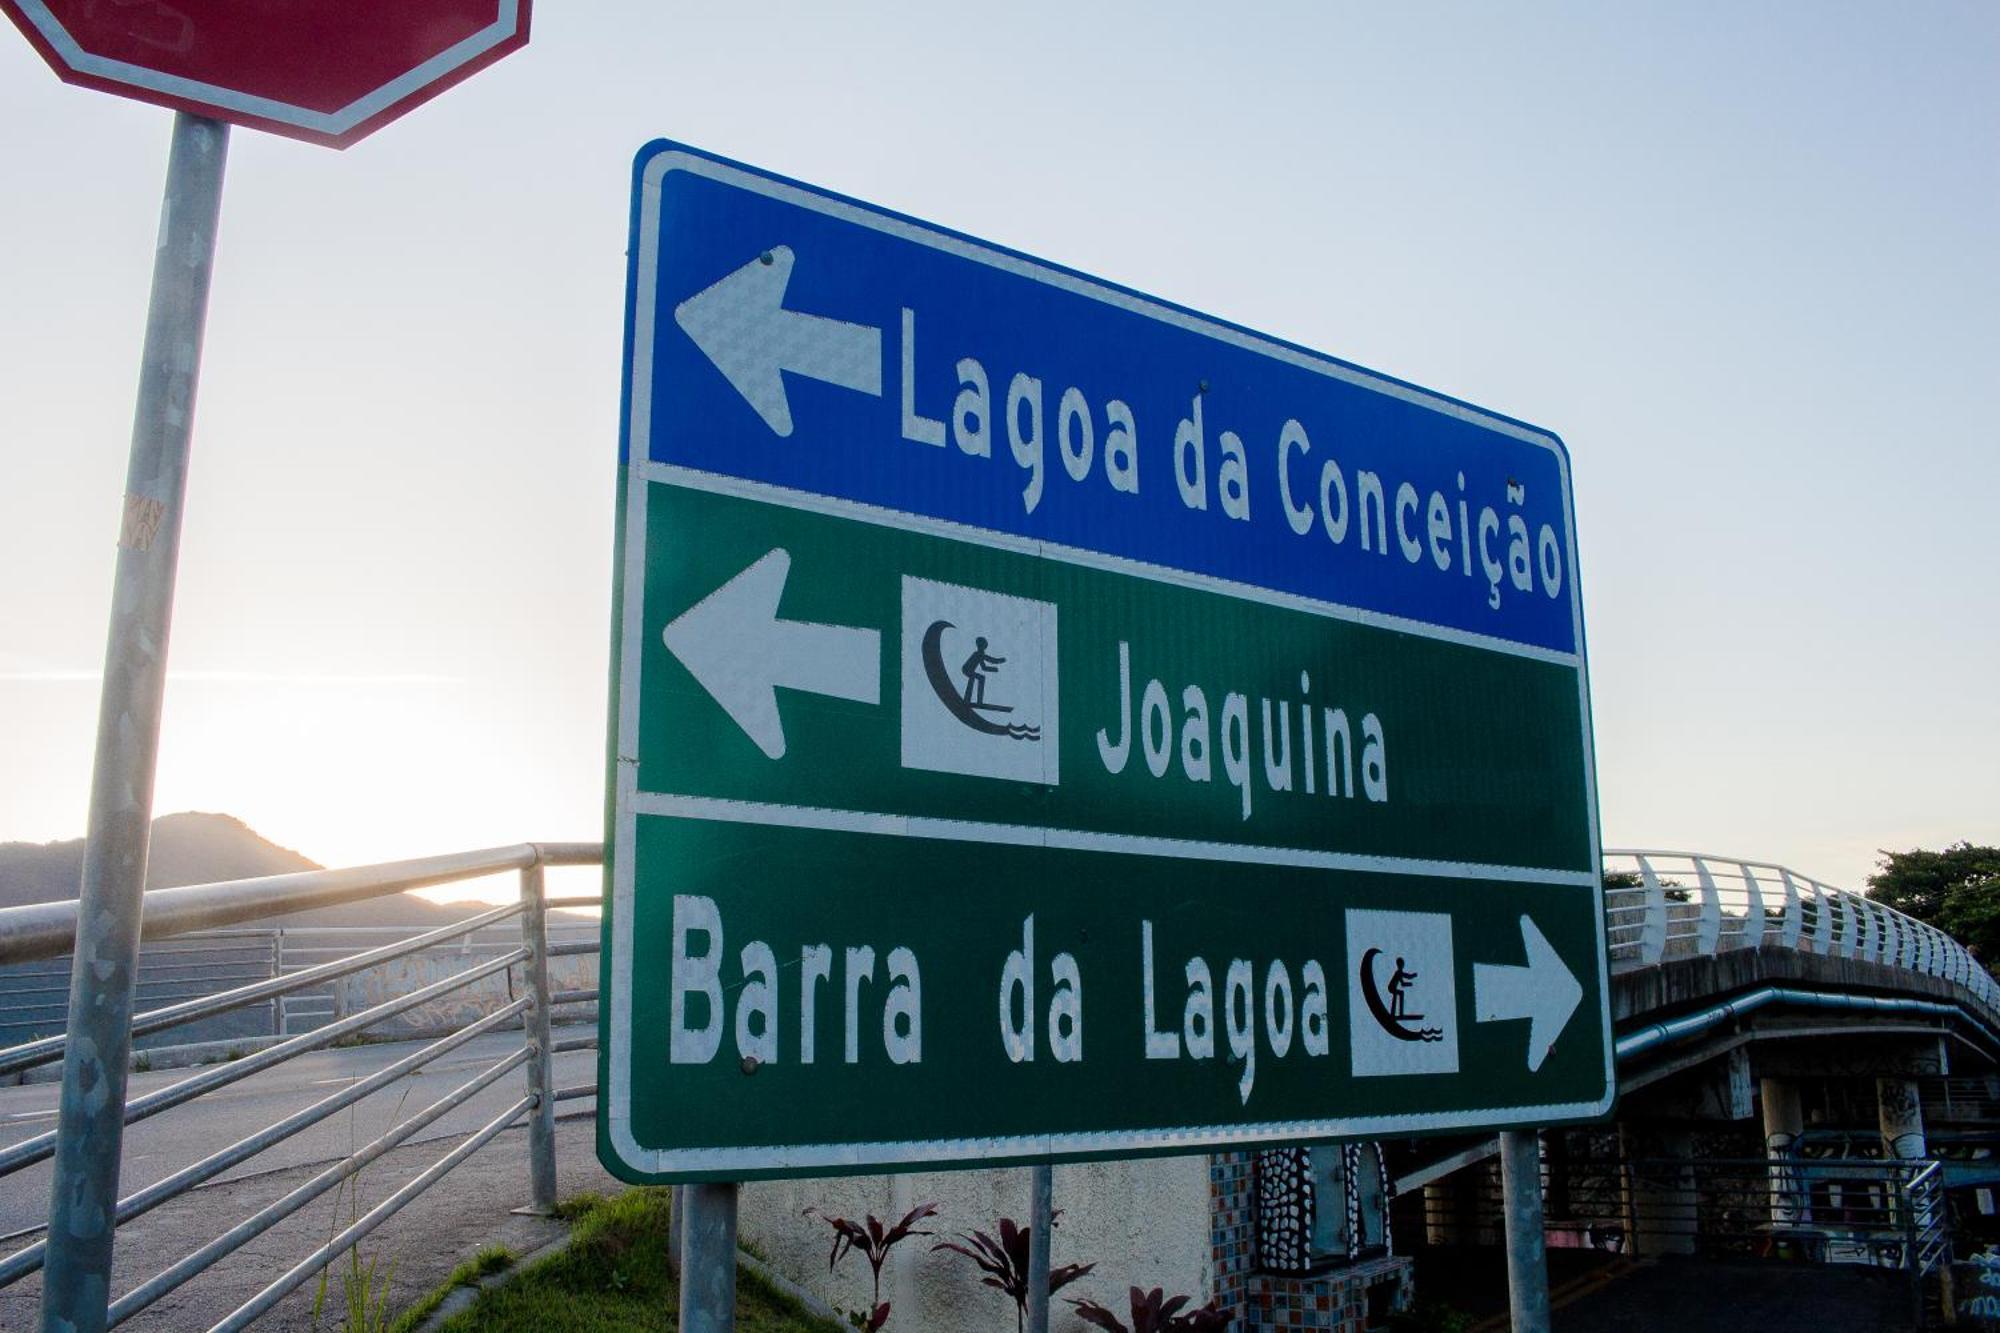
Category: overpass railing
[47,931]
[1660,906]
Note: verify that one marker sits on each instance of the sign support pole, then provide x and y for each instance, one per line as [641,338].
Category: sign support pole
[708,1270]
[1527,1258]
[1041,1217]
[90,1128]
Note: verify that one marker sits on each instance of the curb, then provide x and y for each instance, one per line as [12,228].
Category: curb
[459,1299]
[814,1306]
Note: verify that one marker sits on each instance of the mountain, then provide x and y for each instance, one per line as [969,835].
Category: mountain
[197,848]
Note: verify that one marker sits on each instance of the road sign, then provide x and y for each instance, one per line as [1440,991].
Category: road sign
[1049,722]
[330,71]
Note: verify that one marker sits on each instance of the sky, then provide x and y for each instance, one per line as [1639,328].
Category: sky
[1744,259]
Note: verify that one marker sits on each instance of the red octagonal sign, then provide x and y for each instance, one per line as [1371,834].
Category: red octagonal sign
[326,70]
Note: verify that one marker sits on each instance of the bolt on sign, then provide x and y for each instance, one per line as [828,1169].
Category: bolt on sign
[1051,723]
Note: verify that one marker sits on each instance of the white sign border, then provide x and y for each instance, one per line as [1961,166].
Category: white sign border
[616,1099]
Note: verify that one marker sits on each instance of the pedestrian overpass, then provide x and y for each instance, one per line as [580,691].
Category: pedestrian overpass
[1804,1075]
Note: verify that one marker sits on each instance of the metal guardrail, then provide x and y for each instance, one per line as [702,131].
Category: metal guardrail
[46,930]
[1882,1212]
[1660,906]
[1927,1220]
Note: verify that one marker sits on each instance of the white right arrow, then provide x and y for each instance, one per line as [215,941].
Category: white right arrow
[735,646]
[741,324]
[1545,992]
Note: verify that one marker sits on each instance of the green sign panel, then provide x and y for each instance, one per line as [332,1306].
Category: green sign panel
[1049,723]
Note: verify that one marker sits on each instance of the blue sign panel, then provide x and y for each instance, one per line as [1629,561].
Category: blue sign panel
[864,356]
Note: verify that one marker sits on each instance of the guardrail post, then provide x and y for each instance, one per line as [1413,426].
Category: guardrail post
[1653,929]
[90,1126]
[1854,909]
[278,970]
[1829,928]
[1708,928]
[1867,944]
[1527,1261]
[1788,931]
[1753,911]
[535,1031]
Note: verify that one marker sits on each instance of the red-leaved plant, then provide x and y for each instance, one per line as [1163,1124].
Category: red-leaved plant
[1005,1263]
[1154,1312]
[875,1241]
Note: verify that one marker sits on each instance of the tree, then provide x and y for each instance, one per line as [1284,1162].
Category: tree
[1957,890]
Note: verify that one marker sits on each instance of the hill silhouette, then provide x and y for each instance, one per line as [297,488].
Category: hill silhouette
[201,848]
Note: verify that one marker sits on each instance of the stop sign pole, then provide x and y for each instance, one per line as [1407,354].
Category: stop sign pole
[330,72]
[90,1128]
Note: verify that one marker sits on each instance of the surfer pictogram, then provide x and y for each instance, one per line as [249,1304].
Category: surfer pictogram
[969,705]
[977,668]
[1394,1018]
[1399,988]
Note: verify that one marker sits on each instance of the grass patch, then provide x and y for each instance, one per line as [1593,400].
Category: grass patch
[613,1276]
[576,1205]
[492,1259]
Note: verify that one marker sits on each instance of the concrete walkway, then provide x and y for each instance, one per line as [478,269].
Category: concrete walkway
[467,1210]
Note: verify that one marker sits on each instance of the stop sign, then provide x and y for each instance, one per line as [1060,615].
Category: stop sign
[326,70]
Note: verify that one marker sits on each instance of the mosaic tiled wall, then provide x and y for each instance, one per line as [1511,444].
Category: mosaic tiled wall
[1265,1301]
[1232,1202]
[1285,1209]
[1334,1301]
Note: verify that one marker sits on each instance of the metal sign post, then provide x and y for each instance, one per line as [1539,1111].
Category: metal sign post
[331,73]
[1041,1239]
[1028,690]
[90,1128]
[1527,1254]
[708,1260]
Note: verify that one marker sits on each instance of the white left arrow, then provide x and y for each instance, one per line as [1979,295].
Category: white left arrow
[737,649]
[741,324]
[1545,992]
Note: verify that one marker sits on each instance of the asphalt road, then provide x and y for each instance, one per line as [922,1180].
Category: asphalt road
[157,1147]
[1678,1295]
[408,1256]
